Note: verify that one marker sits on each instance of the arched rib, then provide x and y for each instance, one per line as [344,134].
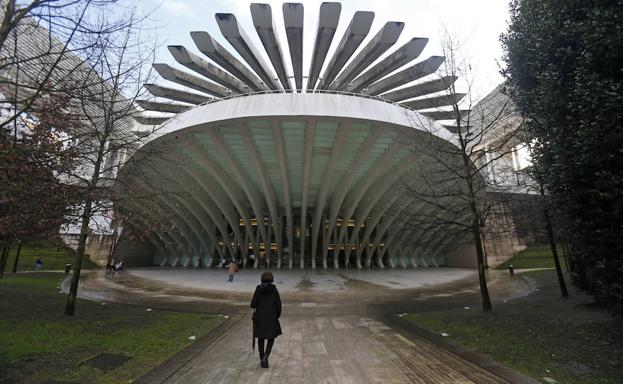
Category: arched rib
[219,204]
[403,55]
[310,135]
[205,68]
[178,227]
[373,223]
[434,102]
[186,79]
[386,225]
[413,235]
[360,189]
[422,245]
[327,24]
[263,20]
[345,185]
[444,242]
[381,42]
[267,186]
[249,190]
[224,181]
[180,235]
[183,181]
[293,21]
[414,72]
[443,115]
[156,240]
[285,182]
[354,35]
[176,94]
[212,187]
[324,188]
[237,37]
[137,223]
[221,56]
[188,217]
[186,179]
[149,120]
[393,240]
[372,196]
[162,107]
[410,92]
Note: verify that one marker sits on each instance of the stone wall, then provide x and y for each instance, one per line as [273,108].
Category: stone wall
[98,246]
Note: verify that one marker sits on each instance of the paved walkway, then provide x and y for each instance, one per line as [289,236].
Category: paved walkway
[332,336]
[329,350]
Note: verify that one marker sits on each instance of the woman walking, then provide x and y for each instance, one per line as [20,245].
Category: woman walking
[267,305]
[232,268]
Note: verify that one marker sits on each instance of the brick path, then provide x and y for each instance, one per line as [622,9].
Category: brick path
[329,349]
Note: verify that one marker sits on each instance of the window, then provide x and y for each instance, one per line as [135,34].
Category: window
[522,157]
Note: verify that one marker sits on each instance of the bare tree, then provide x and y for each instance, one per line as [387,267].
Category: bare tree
[453,191]
[42,43]
[103,100]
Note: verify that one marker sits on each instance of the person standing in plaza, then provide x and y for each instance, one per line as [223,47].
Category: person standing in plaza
[267,310]
[232,268]
[38,263]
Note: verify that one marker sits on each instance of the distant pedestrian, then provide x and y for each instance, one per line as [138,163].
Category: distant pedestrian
[232,268]
[118,267]
[267,305]
[252,260]
[38,263]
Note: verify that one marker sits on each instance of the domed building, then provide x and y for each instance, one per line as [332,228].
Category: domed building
[254,161]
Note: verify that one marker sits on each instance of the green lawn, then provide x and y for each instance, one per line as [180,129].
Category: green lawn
[38,342]
[53,258]
[536,256]
[542,335]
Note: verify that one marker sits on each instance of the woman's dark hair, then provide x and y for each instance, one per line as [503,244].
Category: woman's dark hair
[267,277]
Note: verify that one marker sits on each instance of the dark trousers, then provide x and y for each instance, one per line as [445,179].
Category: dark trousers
[231,278]
[269,347]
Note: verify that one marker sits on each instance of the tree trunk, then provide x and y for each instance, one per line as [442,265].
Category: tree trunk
[86,218]
[4,257]
[75,278]
[565,255]
[19,249]
[552,245]
[109,262]
[482,278]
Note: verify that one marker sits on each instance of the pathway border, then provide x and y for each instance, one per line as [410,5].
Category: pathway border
[169,367]
[410,330]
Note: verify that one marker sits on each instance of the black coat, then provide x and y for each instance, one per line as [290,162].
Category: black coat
[267,305]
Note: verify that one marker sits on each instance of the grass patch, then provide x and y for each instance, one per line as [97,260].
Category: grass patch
[54,258]
[541,335]
[536,256]
[38,342]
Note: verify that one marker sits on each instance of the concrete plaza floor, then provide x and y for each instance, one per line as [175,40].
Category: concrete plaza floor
[295,280]
[339,326]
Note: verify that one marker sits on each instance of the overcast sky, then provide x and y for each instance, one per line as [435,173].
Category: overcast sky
[476,23]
